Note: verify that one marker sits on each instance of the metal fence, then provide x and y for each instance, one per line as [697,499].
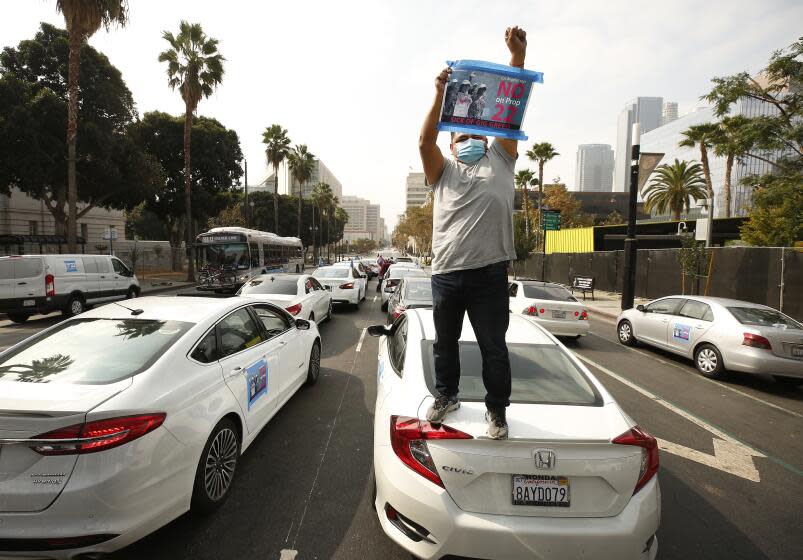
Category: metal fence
[767,275]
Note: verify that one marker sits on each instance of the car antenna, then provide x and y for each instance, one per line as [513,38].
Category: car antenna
[134,312]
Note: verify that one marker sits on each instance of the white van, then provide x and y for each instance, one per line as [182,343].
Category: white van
[31,284]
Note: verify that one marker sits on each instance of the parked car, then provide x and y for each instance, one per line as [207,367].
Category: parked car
[576,476]
[346,283]
[413,293]
[550,305]
[32,284]
[300,294]
[101,448]
[393,276]
[719,334]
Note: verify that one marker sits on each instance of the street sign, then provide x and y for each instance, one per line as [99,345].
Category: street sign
[551,220]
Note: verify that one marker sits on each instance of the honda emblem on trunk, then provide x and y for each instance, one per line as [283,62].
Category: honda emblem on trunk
[544,459]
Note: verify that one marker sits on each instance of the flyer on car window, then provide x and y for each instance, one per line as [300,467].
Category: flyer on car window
[487,98]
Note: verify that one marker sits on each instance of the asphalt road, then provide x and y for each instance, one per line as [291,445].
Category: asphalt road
[731,460]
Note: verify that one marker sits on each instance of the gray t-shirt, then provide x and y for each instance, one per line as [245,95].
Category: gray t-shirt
[472,222]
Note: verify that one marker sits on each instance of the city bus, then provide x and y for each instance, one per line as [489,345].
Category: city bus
[227,257]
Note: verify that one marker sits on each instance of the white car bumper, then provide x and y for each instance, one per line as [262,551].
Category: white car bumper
[756,360]
[629,535]
[346,296]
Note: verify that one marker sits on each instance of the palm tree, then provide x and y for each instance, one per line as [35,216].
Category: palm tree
[524,178]
[277,148]
[673,187]
[731,141]
[702,135]
[83,19]
[195,68]
[541,152]
[301,163]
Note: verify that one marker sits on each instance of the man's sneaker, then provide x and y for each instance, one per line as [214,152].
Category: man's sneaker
[442,406]
[497,424]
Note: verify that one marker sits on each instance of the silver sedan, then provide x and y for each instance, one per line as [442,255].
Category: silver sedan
[719,335]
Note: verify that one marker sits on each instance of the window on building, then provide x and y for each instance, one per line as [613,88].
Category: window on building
[33,227]
[84,232]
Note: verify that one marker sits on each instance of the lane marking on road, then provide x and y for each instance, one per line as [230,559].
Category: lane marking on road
[696,375]
[362,337]
[287,554]
[375,298]
[731,455]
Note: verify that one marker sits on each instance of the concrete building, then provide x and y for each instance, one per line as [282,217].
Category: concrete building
[416,190]
[643,110]
[669,113]
[594,168]
[365,221]
[289,185]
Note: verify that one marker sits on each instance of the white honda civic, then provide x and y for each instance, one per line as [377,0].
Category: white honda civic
[119,420]
[576,477]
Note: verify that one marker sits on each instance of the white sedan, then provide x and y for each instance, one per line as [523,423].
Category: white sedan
[576,476]
[121,419]
[346,283]
[300,294]
[550,305]
[394,275]
[719,334]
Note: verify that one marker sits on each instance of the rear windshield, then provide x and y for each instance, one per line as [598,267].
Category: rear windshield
[554,293]
[92,351]
[339,272]
[540,374]
[419,291]
[270,285]
[405,272]
[763,317]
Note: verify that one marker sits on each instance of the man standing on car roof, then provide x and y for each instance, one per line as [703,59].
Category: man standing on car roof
[472,240]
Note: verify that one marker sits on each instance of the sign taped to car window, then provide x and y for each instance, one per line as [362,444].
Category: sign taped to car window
[487,98]
[256,381]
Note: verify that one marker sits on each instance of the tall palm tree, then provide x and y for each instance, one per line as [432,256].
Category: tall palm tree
[195,68]
[301,163]
[277,148]
[83,19]
[541,152]
[321,195]
[673,187]
[732,142]
[702,135]
[522,179]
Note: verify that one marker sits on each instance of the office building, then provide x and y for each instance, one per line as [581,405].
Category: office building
[364,221]
[289,184]
[647,112]
[669,113]
[416,191]
[594,168]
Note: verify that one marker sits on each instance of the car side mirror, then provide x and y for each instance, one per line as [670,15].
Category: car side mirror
[380,330]
[302,324]
[328,288]
[640,307]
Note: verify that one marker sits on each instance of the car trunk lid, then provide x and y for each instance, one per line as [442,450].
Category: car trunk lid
[785,342]
[556,310]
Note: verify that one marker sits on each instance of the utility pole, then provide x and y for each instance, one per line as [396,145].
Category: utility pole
[629,280]
[246,193]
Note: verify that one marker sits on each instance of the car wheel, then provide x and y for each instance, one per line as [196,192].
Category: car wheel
[329,312]
[788,381]
[132,293]
[373,490]
[708,361]
[314,369]
[625,333]
[217,468]
[311,318]
[75,306]
[18,317]
[385,306]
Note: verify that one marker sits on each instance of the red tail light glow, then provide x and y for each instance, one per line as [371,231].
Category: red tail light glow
[583,315]
[649,453]
[294,309]
[347,286]
[408,437]
[531,311]
[756,341]
[398,311]
[541,311]
[99,435]
[50,285]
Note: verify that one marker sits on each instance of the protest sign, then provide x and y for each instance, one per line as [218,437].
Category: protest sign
[487,98]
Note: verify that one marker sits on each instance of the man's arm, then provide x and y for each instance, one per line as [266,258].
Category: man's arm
[431,156]
[516,40]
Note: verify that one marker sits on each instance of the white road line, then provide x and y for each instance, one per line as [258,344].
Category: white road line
[287,554]
[362,337]
[375,298]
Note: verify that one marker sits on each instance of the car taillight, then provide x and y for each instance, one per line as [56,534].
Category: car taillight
[583,315]
[756,341]
[531,311]
[541,311]
[408,437]
[398,311]
[99,435]
[391,283]
[294,309]
[50,285]
[649,453]
[347,286]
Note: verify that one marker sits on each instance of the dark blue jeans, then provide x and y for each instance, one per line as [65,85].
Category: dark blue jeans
[483,294]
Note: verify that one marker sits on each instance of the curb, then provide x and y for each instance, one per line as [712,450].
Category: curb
[160,289]
[602,312]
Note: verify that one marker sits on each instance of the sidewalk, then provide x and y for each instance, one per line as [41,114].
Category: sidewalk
[163,282]
[606,304]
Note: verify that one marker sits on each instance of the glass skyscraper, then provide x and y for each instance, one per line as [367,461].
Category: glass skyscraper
[646,111]
[594,168]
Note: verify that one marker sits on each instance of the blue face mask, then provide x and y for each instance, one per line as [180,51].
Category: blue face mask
[470,150]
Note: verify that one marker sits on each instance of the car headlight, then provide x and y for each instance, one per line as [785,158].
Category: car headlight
[242,278]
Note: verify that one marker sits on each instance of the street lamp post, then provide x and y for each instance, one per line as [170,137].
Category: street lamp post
[246,192]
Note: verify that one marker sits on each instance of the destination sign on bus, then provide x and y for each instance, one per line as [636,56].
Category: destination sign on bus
[222,238]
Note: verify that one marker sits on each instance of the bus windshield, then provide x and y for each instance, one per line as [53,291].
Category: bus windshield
[233,255]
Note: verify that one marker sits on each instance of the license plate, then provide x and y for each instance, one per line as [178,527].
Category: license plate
[540,490]
[797,351]
[558,314]
[29,302]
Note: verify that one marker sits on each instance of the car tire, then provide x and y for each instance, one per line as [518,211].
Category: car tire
[329,312]
[18,318]
[624,332]
[708,361]
[75,306]
[311,318]
[788,381]
[385,306]
[373,489]
[314,368]
[216,468]
[132,293]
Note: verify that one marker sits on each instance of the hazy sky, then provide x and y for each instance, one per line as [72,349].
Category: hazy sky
[353,80]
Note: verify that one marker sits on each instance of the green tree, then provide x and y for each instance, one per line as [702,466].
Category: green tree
[541,152]
[277,148]
[557,197]
[195,68]
[34,92]
[83,19]
[523,241]
[301,163]
[776,219]
[731,141]
[522,179]
[702,136]
[673,186]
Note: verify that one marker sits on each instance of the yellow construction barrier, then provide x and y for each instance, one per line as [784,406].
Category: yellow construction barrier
[575,240]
